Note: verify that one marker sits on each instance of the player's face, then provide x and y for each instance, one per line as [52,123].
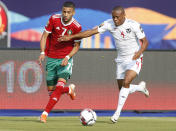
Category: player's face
[118,17]
[67,14]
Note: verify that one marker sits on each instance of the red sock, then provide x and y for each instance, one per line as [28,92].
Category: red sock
[54,98]
[64,89]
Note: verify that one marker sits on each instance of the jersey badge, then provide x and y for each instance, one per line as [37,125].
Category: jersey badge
[101,25]
[128,30]
[69,32]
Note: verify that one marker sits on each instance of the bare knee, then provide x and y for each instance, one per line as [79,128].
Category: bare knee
[120,83]
[51,88]
[126,83]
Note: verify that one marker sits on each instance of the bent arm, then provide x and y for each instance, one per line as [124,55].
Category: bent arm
[43,41]
[144,45]
[75,49]
[72,53]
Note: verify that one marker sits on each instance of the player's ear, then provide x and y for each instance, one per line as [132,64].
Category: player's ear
[73,12]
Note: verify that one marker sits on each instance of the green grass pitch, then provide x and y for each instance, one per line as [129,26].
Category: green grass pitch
[102,124]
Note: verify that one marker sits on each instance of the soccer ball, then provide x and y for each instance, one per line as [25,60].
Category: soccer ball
[88,117]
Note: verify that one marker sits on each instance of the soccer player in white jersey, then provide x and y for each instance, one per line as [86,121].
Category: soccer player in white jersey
[127,34]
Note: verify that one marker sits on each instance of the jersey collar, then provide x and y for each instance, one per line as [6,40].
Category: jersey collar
[68,23]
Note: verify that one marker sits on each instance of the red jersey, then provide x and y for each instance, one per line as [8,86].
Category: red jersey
[57,28]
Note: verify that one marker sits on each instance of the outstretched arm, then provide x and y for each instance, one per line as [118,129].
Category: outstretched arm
[144,46]
[80,35]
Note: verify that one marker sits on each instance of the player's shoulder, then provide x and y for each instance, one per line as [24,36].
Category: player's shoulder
[76,23]
[132,22]
[108,21]
[56,16]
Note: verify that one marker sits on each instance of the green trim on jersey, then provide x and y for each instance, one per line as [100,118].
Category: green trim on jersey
[54,70]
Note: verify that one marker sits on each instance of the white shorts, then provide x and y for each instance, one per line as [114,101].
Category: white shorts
[122,67]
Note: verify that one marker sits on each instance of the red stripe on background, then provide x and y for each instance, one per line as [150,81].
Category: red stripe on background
[95,96]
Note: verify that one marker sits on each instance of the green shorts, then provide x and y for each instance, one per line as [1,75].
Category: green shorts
[54,70]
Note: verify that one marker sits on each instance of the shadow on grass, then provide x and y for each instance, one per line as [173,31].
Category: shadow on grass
[20,120]
[104,122]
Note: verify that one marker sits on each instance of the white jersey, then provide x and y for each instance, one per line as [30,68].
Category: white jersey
[126,37]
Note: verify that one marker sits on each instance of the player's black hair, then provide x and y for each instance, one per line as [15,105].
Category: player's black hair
[119,8]
[69,4]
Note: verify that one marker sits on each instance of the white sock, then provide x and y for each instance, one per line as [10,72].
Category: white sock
[45,113]
[122,98]
[134,88]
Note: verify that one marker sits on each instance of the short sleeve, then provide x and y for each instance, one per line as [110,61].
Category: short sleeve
[49,26]
[138,30]
[103,27]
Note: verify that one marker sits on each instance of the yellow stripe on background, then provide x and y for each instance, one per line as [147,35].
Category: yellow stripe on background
[87,42]
[97,41]
[107,42]
[84,43]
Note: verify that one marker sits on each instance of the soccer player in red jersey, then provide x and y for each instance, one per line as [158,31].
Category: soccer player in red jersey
[59,54]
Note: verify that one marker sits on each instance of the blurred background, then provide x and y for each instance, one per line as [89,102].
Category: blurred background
[22,80]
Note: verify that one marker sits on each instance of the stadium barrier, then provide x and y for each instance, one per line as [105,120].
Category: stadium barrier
[23,86]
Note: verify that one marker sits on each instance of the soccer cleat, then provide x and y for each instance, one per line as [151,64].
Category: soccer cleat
[43,118]
[72,91]
[145,91]
[115,117]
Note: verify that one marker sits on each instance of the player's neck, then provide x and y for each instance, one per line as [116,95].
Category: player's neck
[66,22]
[123,21]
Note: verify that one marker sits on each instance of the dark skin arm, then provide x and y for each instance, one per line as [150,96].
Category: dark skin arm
[144,45]
[80,35]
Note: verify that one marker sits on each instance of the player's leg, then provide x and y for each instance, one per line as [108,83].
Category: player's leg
[124,78]
[63,74]
[120,75]
[51,80]
[51,77]
[141,87]
[132,69]
[51,74]
[54,98]
[51,89]
[123,94]
[120,83]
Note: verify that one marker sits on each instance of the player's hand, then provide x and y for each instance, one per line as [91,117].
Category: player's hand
[64,61]
[41,58]
[136,55]
[64,38]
